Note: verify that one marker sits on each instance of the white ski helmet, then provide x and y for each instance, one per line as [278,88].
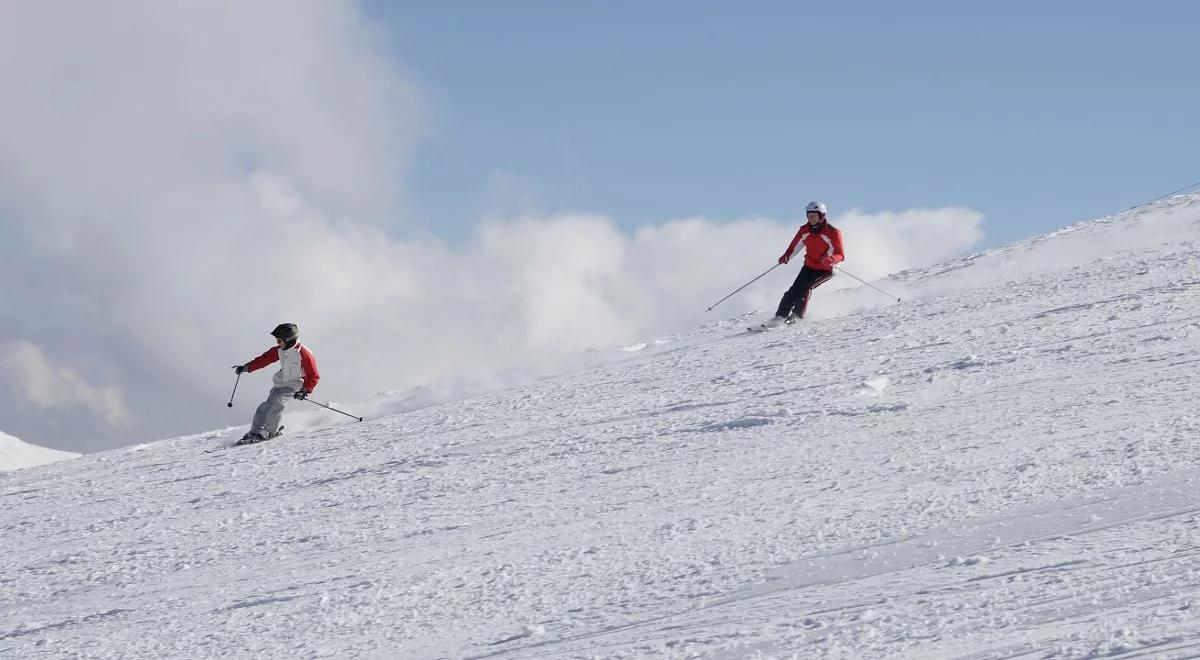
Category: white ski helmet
[819,207]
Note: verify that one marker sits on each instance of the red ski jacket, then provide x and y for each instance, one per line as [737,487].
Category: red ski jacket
[822,247]
[297,366]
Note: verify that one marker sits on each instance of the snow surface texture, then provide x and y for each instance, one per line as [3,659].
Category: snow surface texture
[16,454]
[1006,469]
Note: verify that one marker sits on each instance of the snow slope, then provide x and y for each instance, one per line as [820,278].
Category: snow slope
[1005,465]
[16,454]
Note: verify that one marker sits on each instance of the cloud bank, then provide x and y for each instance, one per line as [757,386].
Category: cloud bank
[175,181]
[48,386]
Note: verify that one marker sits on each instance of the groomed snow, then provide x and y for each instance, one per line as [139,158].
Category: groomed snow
[1003,465]
[16,454]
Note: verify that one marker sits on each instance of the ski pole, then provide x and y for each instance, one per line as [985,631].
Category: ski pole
[334,409]
[843,271]
[235,382]
[742,287]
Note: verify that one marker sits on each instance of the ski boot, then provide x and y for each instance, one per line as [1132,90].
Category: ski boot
[249,439]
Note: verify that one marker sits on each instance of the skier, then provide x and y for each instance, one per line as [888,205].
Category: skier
[296,378]
[822,251]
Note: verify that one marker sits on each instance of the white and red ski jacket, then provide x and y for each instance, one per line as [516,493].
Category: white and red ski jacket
[822,247]
[297,366]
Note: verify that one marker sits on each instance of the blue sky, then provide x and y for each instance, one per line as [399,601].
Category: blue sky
[1035,114]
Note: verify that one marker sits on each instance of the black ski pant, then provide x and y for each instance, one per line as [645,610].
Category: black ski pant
[795,301]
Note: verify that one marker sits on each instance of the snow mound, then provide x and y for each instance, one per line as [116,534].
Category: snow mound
[16,454]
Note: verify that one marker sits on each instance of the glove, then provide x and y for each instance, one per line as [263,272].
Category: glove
[240,369]
[301,395]
[784,259]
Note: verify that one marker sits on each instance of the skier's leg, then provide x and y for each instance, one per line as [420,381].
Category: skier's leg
[281,395]
[789,297]
[814,279]
[266,418]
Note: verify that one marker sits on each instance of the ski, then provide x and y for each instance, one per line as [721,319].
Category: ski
[768,328]
[240,443]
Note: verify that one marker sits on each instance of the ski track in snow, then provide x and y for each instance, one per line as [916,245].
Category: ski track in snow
[1008,471]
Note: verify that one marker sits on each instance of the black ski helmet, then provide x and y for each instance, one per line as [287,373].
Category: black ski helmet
[286,332]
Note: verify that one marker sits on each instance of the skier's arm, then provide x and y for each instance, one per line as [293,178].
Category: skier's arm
[792,246]
[270,357]
[838,255]
[308,365]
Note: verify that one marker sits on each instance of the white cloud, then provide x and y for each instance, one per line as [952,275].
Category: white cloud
[48,385]
[173,178]
[577,281]
[884,243]
[560,275]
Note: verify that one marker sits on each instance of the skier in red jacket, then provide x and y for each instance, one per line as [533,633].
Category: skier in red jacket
[296,378]
[822,251]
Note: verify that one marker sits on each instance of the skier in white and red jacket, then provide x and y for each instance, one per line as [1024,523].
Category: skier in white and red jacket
[822,244]
[297,378]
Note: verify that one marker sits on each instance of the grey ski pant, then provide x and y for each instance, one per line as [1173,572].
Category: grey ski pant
[266,418]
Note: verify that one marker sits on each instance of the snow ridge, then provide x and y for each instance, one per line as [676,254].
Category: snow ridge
[16,454]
